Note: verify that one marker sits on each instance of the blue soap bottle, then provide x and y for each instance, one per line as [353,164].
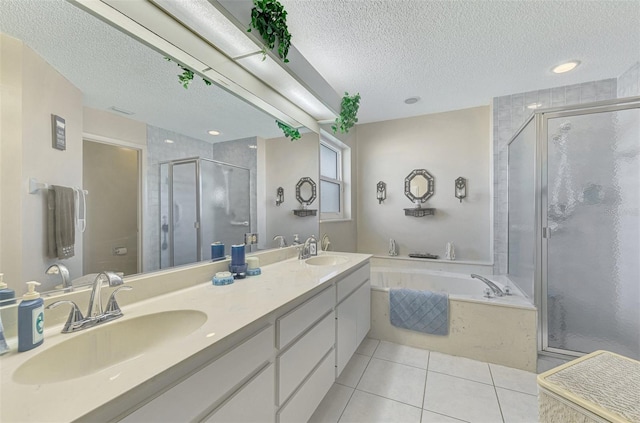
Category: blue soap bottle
[30,319]
[7,295]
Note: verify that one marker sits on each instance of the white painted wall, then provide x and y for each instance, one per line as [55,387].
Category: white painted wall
[36,91]
[286,162]
[447,145]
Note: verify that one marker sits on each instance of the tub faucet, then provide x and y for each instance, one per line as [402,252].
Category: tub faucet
[61,269]
[495,288]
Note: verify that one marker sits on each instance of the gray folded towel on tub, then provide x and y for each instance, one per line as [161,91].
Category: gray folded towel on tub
[422,311]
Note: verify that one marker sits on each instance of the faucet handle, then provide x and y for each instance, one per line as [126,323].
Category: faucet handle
[75,319]
[112,305]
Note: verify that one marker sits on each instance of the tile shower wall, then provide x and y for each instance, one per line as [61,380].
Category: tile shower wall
[509,113]
[243,153]
[159,151]
[629,82]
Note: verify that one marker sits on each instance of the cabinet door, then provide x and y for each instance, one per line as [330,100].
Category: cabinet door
[363,295]
[347,323]
[252,403]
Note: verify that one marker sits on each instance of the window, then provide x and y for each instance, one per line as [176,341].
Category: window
[331,181]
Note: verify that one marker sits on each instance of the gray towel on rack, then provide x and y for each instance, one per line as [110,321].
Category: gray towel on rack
[422,311]
[61,231]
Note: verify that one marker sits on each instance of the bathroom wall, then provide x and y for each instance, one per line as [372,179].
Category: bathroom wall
[283,168]
[447,145]
[629,82]
[113,126]
[32,91]
[509,113]
[343,234]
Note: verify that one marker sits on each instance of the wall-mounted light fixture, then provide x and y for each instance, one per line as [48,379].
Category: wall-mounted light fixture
[461,188]
[381,192]
[279,196]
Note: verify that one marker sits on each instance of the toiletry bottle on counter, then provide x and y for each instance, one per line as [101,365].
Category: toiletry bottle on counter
[30,319]
[7,295]
[296,239]
[313,246]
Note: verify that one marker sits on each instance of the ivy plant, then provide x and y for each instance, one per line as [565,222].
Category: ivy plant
[270,19]
[187,75]
[289,131]
[348,113]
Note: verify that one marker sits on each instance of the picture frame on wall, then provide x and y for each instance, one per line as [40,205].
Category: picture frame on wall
[59,134]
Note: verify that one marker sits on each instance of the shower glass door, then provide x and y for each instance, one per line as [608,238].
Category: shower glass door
[591,231]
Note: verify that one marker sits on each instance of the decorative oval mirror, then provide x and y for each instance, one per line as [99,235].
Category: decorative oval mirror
[305,191]
[419,185]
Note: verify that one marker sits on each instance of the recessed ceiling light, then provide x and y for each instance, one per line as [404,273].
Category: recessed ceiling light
[534,105]
[168,141]
[566,67]
[412,100]
[214,132]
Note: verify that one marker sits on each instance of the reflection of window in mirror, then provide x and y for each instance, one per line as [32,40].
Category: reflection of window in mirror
[418,185]
[333,177]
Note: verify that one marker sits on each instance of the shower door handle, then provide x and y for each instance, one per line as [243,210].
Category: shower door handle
[546,233]
[234,223]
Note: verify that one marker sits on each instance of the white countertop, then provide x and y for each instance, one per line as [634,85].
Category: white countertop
[229,309]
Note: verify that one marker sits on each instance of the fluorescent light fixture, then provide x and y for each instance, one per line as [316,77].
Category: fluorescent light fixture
[123,111]
[280,80]
[214,132]
[207,21]
[168,141]
[253,146]
[534,105]
[566,67]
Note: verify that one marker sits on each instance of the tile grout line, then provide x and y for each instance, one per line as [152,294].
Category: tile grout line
[354,389]
[463,378]
[424,391]
[496,392]
[390,399]
[396,362]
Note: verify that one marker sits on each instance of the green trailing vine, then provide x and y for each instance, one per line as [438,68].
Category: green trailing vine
[270,19]
[348,113]
[187,75]
[289,131]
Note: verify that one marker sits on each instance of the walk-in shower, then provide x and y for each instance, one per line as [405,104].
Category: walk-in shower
[574,225]
[201,201]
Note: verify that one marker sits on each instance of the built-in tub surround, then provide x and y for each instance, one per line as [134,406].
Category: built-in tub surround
[496,330]
[233,312]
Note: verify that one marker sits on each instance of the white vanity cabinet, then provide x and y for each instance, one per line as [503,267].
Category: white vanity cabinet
[353,314]
[227,376]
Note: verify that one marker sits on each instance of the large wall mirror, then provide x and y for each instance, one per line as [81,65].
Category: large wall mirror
[160,187]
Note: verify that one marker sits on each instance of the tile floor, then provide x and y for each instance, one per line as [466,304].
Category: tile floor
[386,382]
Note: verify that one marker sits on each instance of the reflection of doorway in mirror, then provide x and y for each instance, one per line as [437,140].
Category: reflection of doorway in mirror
[111,174]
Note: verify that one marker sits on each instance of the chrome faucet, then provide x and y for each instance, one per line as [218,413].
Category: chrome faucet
[304,252]
[282,241]
[494,288]
[95,314]
[61,269]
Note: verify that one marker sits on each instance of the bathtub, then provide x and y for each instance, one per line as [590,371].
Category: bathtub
[496,330]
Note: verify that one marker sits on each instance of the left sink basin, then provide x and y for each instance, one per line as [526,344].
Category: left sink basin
[103,346]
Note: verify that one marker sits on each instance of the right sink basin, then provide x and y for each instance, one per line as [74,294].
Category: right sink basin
[326,260]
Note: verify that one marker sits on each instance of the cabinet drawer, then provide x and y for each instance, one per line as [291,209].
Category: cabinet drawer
[347,285]
[306,400]
[300,318]
[297,362]
[193,396]
[252,403]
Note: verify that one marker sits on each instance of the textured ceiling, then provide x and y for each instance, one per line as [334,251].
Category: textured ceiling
[458,54]
[112,69]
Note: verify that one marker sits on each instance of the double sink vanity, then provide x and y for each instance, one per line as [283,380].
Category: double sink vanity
[265,348]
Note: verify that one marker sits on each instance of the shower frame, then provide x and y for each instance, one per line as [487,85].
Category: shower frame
[197,223]
[540,284]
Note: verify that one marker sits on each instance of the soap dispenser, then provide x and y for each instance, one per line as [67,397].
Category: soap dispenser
[313,246]
[7,295]
[30,319]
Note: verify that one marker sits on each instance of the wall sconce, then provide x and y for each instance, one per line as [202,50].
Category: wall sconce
[381,192]
[279,196]
[461,188]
